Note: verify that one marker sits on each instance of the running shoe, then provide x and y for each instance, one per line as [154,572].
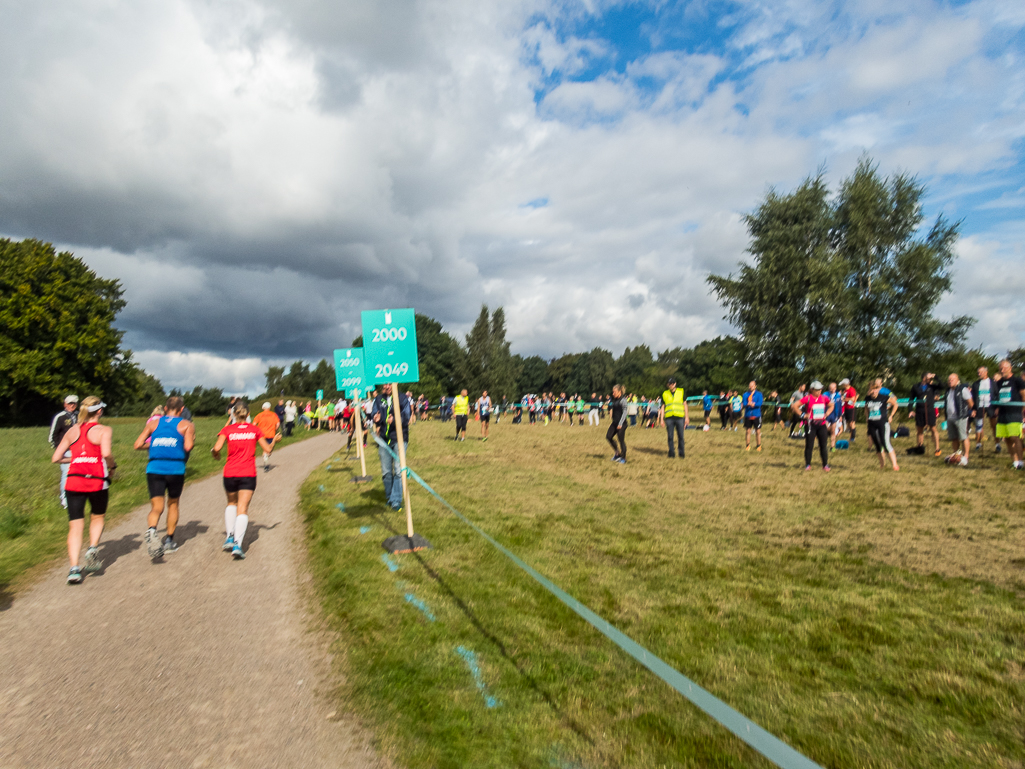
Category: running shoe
[996,450]
[615,457]
[620,460]
[169,545]
[229,544]
[978,447]
[74,576]
[747,447]
[807,468]
[236,552]
[758,449]
[153,544]
[92,561]
[963,462]
[827,468]
[938,453]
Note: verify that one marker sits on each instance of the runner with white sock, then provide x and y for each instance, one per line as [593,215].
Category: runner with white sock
[239,475]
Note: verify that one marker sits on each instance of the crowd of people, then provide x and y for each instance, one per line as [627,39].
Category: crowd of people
[819,414]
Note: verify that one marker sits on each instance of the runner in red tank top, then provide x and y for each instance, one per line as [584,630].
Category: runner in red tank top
[239,474]
[91,465]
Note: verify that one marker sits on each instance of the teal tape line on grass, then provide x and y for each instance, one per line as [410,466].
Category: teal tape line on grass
[740,725]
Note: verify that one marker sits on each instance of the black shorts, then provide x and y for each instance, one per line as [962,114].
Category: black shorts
[851,415]
[234,485]
[926,417]
[77,499]
[708,413]
[460,422]
[485,417]
[752,423]
[158,485]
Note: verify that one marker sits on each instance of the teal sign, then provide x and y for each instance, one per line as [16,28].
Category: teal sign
[320,395]
[389,346]
[349,375]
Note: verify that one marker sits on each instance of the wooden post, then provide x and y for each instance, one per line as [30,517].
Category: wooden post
[359,438]
[402,458]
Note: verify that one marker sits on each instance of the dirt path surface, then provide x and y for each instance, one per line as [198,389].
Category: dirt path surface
[193,660]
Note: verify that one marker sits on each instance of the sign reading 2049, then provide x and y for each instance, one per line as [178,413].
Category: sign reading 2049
[389,346]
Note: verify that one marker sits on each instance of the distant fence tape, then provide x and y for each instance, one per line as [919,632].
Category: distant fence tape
[740,725]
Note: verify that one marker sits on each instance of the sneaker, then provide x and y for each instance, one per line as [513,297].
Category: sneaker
[92,561]
[938,453]
[827,468]
[807,468]
[75,576]
[747,447]
[758,449]
[153,544]
[169,545]
[978,447]
[229,544]
[236,552]
[620,460]
[996,450]
[615,457]
[963,462]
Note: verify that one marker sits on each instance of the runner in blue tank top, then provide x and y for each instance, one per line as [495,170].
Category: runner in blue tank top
[169,439]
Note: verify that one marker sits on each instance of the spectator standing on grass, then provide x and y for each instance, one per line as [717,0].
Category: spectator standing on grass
[753,400]
[65,419]
[724,409]
[617,425]
[280,411]
[484,413]
[291,411]
[835,423]
[592,411]
[673,415]
[736,409]
[631,409]
[777,410]
[923,407]
[461,411]
[1010,389]
[850,406]
[881,406]
[796,397]
[959,404]
[86,448]
[706,407]
[385,426]
[982,397]
[813,409]
[169,440]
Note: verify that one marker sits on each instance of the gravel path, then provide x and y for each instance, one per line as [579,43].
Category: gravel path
[195,660]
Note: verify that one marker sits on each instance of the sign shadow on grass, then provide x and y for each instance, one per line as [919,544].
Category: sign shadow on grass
[516,663]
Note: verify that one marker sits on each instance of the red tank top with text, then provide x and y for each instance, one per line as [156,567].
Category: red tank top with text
[88,471]
[241,439]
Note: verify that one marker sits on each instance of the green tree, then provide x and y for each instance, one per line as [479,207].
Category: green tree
[488,364]
[204,401]
[533,377]
[148,393]
[843,288]
[440,359]
[57,333]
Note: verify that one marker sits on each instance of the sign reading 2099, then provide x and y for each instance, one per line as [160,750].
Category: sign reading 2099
[389,346]
[349,374]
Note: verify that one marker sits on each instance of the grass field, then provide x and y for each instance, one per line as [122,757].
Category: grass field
[868,618]
[33,525]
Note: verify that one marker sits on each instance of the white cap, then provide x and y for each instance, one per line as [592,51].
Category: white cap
[71,399]
[266,405]
[816,385]
[845,381]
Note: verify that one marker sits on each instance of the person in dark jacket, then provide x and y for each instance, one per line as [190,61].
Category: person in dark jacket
[959,404]
[62,422]
[617,429]
[922,405]
[383,417]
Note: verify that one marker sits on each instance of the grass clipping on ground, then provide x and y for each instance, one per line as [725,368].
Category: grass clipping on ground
[866,617]
[34,526]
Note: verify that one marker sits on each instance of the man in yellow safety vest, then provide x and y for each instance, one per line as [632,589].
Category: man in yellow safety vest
[460,410]
[673,414]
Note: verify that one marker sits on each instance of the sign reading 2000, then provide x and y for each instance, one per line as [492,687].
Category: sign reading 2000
[389,345]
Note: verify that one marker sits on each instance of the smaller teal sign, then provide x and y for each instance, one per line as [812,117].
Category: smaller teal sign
[320,395]
[349,375]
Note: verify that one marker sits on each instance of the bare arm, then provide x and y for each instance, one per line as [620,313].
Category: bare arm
[188,436]
[106,439]
[893,406]
[216,450]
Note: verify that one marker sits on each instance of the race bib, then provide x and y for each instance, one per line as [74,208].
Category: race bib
[1005,395]
[818,412]
[875,411]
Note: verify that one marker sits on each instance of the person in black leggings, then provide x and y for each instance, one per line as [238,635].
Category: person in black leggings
[814,409]
[617,428]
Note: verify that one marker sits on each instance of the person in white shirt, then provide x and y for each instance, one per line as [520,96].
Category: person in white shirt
[484,412]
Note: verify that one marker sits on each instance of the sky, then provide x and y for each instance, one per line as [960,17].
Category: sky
[257,172]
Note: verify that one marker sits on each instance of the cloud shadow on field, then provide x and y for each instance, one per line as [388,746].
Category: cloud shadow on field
[493,639]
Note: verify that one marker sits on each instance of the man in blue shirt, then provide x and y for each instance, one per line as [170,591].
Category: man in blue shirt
[706,405]
[753,415]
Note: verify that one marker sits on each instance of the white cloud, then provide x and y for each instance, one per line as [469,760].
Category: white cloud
[257,172]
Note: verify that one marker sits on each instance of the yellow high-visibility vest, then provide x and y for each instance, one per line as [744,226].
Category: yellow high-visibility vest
[674,403]
[461,406]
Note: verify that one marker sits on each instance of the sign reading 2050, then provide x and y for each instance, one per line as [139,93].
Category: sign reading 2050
[349,374]
[389,346]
